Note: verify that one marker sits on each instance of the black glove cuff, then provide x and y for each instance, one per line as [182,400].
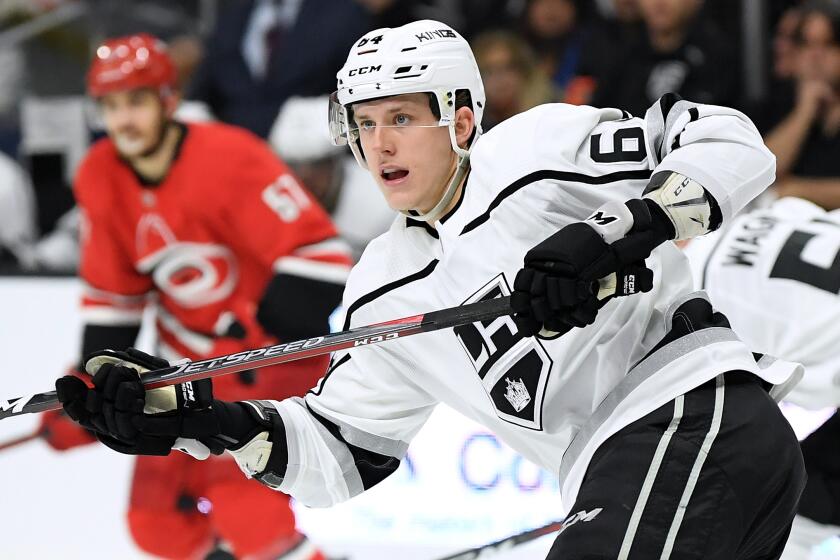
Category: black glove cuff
[716,219]
[649,216]
[238,423]
[261,416]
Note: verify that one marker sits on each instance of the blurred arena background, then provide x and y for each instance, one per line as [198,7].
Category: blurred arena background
[241,61]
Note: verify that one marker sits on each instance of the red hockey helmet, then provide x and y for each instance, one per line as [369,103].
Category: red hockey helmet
[130,62]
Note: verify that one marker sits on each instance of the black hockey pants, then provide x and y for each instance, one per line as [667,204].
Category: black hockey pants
[715,474]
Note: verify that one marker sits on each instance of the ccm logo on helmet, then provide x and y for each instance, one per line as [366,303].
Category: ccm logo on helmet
[438,34]
[364,70]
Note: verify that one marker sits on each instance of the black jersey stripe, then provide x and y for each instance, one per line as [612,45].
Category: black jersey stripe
[373,467]
[333,366]
[666,103]
[365,299]
[704,279]
[411,222]
[555,175]
[371,296]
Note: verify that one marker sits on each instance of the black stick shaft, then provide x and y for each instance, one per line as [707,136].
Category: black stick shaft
[186,370]
[506,543]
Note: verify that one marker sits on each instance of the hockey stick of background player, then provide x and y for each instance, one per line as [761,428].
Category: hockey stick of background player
[489,550]
[20,441]
[185,370]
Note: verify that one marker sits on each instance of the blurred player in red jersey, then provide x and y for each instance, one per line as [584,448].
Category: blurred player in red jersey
[207,224]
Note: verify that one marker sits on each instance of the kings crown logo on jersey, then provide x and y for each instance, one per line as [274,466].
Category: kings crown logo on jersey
[517,394]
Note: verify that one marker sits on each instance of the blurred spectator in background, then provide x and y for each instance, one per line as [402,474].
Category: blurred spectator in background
[620,12]
[12,70]
[677,52]
[21,251]
[262,52]
[551,28]
[511,78]
[616,25]
[58,250]
[186,52]
[205,223]
[161,18]
[784,45]
[477,16]
[806,139]
[300,136]
[17,215]
[394,13]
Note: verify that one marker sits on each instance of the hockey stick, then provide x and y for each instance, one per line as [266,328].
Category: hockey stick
[186,370]
[507,543]
[20,441]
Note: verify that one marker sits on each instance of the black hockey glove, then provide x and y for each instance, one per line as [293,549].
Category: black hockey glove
[108,408]
[129,419]
[559,286]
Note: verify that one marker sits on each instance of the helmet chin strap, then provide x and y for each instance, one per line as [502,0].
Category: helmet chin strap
[461,169]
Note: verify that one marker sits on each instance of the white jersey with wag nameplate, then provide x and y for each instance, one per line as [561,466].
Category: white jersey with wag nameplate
[775,273]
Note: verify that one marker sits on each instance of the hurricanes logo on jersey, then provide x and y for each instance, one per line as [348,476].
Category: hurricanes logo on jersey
[193,274]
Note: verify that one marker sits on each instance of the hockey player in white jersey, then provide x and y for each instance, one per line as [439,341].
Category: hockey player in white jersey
[775,273]
[655,416]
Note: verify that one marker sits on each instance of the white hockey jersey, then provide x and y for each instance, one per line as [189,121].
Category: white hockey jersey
[775,273]
[554,401]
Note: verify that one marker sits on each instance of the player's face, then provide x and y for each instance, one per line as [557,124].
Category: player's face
[134,120]
[411,164]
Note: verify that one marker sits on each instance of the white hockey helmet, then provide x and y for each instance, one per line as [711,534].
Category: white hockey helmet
[299,133]
[420,57]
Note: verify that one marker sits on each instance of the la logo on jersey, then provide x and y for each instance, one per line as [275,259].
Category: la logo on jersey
[513,369]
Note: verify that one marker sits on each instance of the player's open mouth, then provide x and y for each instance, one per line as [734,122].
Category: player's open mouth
[393,175]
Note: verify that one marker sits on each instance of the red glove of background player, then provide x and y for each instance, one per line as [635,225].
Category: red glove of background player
[61,433]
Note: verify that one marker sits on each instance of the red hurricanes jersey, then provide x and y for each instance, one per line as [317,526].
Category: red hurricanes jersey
[203,242]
